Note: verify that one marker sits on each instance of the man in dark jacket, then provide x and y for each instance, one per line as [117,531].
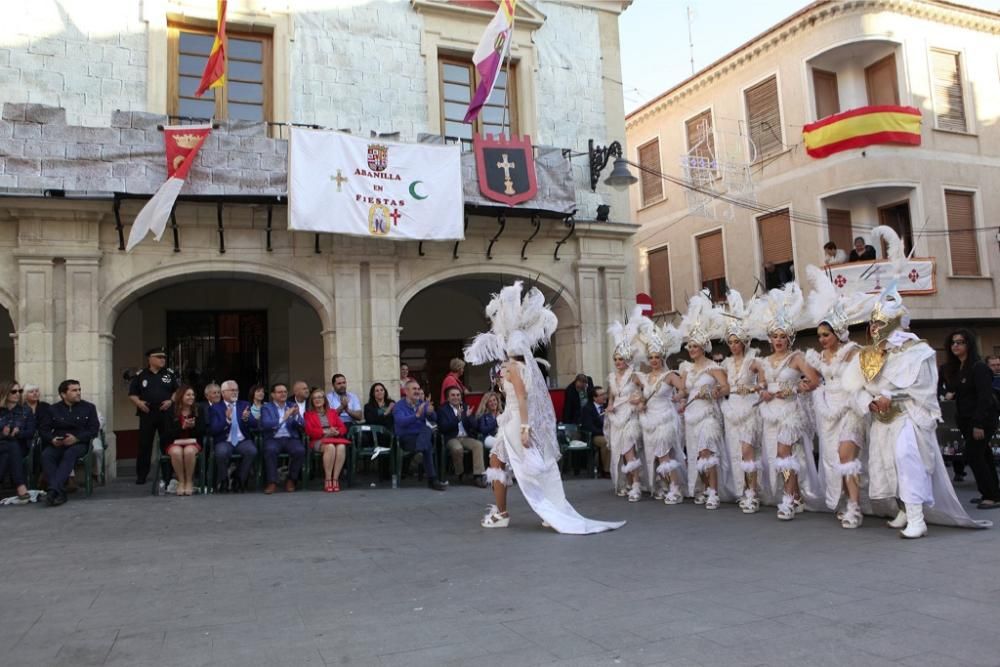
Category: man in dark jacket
[457,426]
[593,422]
[578,394]
[67,428]
[861,252]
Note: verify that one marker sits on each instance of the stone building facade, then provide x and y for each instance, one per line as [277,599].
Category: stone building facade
[939,57]
[80,150]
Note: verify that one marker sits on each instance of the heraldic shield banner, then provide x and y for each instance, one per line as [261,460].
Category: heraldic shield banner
[370,187]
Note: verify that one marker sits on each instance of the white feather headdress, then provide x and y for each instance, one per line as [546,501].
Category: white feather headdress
[734,316]
[651,339]
[624,334]
[826,305]
[518,326]
[702,322]
[780,309]
[888,310]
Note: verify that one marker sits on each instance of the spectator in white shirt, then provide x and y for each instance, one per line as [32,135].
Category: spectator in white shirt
[347,405]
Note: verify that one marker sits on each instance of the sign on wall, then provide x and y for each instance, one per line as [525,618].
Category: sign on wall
[506,168]
[348,185]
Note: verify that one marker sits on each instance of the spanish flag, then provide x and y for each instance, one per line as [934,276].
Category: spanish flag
[214,75]
[862,127]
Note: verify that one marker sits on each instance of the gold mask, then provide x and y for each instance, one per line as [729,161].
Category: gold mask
[883,324]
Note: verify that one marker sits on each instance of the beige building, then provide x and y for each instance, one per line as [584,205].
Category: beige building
[736,127]
[230,291]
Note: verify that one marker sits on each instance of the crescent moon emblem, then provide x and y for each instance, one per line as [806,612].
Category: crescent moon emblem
[413,190]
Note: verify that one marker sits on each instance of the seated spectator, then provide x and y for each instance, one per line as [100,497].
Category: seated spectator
[378,409]
[326,435]
[184,433]
[231,425]
[213,395]
[457,426]
[67,428]
[718,356]
[486,418]
[453,379]
[300,394]
[993,361]
[17,427]
[861,252]
[281,426]
[593,423]
[578,394]
[347,404]
[404,377]
[410,419]
[833,255]
[257,397]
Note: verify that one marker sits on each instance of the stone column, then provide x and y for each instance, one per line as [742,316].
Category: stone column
[348,353]
[35,347]
[383,333]
[592,337]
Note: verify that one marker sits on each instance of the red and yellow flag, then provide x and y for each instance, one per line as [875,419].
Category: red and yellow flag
[865,126]
[214,75]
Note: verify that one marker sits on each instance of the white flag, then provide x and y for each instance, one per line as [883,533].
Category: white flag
[370,187]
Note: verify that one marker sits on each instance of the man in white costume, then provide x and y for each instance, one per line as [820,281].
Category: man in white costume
[895,379]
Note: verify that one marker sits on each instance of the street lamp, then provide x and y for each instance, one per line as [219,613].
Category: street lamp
[620,176]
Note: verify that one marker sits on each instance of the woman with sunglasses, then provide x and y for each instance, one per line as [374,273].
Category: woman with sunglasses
[17,426]
[970,380]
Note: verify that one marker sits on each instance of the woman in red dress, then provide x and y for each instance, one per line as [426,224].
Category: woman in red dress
[184,433]
[327,434]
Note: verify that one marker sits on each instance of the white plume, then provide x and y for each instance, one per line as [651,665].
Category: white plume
[823,298]
[894,249]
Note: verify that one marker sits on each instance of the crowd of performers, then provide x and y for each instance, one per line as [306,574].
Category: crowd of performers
[744,430]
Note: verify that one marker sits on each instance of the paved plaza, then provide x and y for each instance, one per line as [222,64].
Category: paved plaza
[407,577]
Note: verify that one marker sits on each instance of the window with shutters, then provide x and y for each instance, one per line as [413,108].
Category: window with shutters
[459,80]
[712,265]
[650,183]
[959,207]
[658,263]
[700,138]
[764,116]
[826,92]
[246,93]
[838,223]
[776,248]
[880,82]
[949,104]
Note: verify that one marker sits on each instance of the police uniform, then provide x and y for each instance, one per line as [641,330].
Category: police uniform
[153,388]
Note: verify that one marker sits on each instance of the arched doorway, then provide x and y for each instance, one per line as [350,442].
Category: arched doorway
[215,328]
[6,346]
[439,320]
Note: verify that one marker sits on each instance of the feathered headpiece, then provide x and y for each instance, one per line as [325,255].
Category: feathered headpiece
[734,315]
[889,313]
[779,310]
[624,334]
[702,322]
[651,339]
[517,326]
[826,305]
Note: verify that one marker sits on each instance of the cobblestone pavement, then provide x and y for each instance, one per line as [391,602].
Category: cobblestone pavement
[407,577]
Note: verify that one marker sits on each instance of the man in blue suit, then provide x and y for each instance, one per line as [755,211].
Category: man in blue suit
[232,426]
[281,425]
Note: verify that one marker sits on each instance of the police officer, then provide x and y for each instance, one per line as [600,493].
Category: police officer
[152,391]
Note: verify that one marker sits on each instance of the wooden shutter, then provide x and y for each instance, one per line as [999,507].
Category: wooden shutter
[764,117]
[949,105]
[827,94]
[699,133]
[880,81]
[651,185]
[659,280]
[710,257]
[962,233]
[776,238]
[838,225]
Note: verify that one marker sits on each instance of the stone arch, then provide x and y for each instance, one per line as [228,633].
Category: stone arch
[119,297]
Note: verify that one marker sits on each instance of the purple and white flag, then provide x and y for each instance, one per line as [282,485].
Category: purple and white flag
[489,56]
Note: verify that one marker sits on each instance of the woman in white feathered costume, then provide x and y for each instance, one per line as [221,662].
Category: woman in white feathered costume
[704,383]
[527,434]
[621,423]
[742,418]
[895,380]
[662,444]
[841,430]
[786,438]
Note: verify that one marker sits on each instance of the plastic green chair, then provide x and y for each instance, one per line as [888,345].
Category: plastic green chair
[202,459]
[572,441]
[365,441]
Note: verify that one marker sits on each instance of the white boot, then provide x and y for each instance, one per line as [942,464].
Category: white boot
[898,522]
[786,509]
[635,493]
[915,526]
[750,503]
[712,499]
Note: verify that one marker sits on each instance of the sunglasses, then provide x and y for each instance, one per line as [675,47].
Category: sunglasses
[957,342]
[14,391]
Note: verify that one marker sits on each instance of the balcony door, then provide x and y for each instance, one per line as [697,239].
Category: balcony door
[881,83]
[897,216]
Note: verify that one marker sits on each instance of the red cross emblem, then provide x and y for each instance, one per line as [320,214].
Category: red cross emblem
[840,280]
[395,215]
[913,275]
